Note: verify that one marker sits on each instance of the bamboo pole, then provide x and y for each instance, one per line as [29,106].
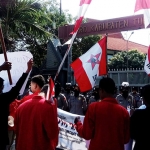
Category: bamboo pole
[4,52]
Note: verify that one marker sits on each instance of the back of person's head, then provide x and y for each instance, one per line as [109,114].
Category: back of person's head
[44,89]
[1,84]
[145,94]
[107,85]
[39,80]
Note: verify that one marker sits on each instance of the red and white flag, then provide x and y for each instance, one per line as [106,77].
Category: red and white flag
[84,4]
[147,62]
[82,10]
[51,91]
[90,65]
[145,6]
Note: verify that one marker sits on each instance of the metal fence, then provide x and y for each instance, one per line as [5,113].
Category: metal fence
[136,78]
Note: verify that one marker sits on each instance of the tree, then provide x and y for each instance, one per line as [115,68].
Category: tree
[82,45]
[22,18]
[28,25]
[133,58]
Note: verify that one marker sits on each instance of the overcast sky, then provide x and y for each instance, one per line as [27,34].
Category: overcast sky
[108,9]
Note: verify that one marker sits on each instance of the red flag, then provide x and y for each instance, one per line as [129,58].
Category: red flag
[145,6]
[51,91]
[90,65]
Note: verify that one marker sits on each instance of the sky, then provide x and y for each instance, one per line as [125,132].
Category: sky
[108,9]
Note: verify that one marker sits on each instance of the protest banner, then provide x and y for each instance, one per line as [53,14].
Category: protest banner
[19,65]
[68,136]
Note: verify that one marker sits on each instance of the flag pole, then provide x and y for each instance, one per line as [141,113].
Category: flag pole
[4,51]
[62,62]
[106,55]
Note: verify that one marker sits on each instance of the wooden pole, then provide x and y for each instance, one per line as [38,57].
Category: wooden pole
[4,51]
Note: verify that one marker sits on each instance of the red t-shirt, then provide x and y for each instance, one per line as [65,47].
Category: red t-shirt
[15,104]
[36,125]
[107,125]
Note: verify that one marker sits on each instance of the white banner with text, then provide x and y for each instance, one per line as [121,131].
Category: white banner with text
[68,136]
[19,65]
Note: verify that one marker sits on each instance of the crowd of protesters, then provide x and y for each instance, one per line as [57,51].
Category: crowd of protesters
[112,120]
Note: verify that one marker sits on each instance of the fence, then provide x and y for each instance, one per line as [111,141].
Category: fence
[135,77]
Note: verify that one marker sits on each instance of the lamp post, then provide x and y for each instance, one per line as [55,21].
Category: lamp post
[127,56]
[60,7]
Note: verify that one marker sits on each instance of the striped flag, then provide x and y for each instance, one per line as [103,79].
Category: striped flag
[90,65]
[84,4]
[145,6]
[51,92]
[147,62]
[82,10]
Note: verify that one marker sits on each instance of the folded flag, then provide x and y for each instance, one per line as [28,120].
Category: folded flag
[90,65]
[51,92]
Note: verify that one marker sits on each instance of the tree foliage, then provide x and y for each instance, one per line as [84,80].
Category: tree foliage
[124,59]
[82,45]
[28,25]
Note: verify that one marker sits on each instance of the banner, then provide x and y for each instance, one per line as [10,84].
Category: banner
[19,65]
[68,136]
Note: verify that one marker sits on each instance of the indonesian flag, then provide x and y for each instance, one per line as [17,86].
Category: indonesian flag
[82,10]
[51,92]
[90,65]
[145,6]
[147,62]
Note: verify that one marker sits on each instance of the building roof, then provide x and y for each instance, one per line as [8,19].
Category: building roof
[118,43]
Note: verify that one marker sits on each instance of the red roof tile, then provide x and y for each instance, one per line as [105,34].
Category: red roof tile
[116,42]
[120,44]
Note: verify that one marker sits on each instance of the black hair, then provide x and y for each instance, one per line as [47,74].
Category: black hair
[38,79]
[44,89]
[145,93]
[1,82]
[108,85]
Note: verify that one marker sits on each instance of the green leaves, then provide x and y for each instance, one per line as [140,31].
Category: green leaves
[124,59]
[31,23]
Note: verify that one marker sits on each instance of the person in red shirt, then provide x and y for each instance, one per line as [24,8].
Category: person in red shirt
[37,82]
[106,123]
[36,124]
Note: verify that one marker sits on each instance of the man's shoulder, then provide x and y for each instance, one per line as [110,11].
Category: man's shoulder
[24,105]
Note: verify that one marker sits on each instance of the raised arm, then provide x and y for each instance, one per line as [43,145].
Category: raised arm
[14,92]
